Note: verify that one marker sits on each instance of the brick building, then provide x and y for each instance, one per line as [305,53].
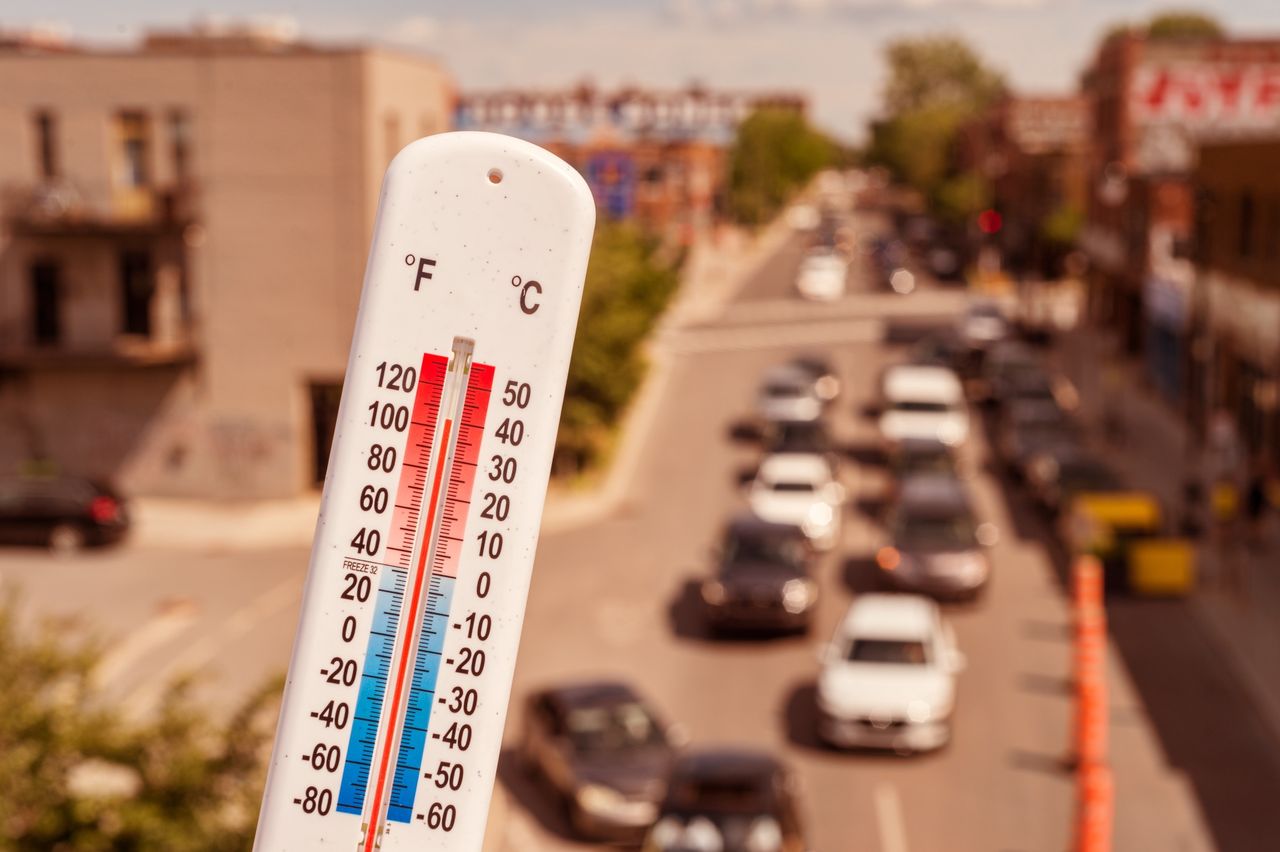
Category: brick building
[182,239]
[1235,304]
[653,157]
[1153,101]
[1033,151]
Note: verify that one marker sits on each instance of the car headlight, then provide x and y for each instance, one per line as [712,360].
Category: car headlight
[598,799]
[713,592]
[817,519]
[797,595]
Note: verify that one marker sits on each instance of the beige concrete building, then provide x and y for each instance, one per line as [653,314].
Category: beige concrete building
[183,238]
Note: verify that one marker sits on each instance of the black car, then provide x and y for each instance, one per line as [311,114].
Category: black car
[731,801]
[763,579]
[604,752]
[62,513]
[1030,427]
[915,456]
[826,383]
[1058,476]
[801,436]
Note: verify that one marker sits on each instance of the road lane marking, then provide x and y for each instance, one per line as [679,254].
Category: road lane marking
[173,618]
[145,697]
[893,831]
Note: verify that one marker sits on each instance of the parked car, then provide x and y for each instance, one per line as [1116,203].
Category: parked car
[788,393]
[729,800]
[822,275]
[936,546]
[763,580]
[63,513]
[923,402]
[921,456]
[888,677]
[799,489]
[1030,427]
[805,437]
[1003,362]
[601,749]
[983,324]
[826,382]
[1056,476]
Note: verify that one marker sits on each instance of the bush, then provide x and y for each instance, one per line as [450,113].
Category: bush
[74,775]
[627,288]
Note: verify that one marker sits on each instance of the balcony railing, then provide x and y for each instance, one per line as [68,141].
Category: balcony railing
[61,208]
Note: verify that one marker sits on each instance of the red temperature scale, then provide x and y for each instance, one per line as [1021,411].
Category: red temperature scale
[393,712]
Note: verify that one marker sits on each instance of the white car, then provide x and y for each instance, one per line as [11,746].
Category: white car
[799,489]
[789,394]
[923,402]
[888,676]
[983,324]
[822,276]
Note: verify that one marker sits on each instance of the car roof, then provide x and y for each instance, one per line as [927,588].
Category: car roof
[751,524]
[789,374]
[932,491]
[921,447]
[601,693]
[890,616]
[913,381]
[807,466]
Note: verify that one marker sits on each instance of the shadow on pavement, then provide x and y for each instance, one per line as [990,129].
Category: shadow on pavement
[866,454]
[687,622]
[533,795]
[801,717]
[861,574]
[1032,761]
[745,432]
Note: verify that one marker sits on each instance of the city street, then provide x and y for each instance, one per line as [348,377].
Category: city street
[613,599]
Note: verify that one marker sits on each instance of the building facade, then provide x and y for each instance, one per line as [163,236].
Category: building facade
[1033,152]
[1153,102]
[1235,313]
[657,158]
[182,243]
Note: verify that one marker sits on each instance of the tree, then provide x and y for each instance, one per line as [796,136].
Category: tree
[935,85]
[76,777]
[775,154]
[627,287]
[1184,25]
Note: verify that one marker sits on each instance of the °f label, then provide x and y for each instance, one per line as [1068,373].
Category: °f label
[392,716]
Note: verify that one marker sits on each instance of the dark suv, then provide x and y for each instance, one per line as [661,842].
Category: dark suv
[63,513]
[763,580]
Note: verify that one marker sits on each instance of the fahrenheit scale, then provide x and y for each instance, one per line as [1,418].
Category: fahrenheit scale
[392,717]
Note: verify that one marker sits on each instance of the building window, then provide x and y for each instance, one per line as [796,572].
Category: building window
[180,146]
[134,133]
[1246,224]
[46,144]
[137,287]
[46,318]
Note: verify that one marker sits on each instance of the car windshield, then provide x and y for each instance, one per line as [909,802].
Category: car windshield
[763,547]
[913,463]
[801,438]
[781,389]
[1087,476]
[920,405]
[935,531]
[791,487]
[893,651]
[748,794]
[616,727]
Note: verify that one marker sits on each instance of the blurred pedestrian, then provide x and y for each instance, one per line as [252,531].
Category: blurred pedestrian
[1255,503]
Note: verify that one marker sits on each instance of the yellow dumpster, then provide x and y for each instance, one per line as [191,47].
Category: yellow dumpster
[1162,567]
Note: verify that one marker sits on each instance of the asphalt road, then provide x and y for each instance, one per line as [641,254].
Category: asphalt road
[612,598]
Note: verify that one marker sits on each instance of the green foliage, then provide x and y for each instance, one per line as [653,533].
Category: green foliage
[1062,226]
[936,84]
[627,288]
[961,197]
[775,154]
[75,776]
[937,71]
[1184,24]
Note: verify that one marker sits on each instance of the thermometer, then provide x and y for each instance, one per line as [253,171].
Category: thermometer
[392,717]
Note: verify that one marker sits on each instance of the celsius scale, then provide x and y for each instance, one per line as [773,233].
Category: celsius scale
[392,717]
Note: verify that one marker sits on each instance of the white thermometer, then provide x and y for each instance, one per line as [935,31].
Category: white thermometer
[392,717]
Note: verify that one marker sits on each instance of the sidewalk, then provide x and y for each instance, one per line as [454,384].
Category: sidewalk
[1248,627]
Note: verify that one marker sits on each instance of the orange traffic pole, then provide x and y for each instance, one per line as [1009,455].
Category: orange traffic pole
[1095,809]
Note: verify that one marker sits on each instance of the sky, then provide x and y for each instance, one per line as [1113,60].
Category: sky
[830,50]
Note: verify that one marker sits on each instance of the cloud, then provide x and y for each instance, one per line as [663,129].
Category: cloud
[414,31]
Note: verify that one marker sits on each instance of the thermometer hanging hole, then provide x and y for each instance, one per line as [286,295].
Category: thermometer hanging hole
[495,175]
